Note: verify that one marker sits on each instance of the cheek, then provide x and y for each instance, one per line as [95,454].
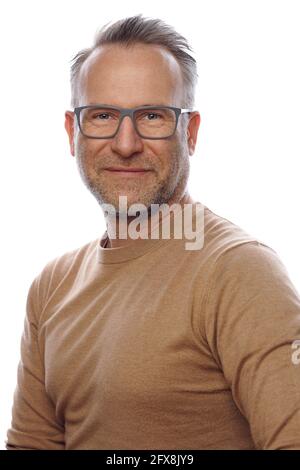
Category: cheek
[163,153]
[169,156]
[87,152]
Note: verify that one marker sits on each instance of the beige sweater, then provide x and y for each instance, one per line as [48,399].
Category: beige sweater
[153,346]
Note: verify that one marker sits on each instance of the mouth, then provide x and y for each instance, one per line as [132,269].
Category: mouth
[128,172]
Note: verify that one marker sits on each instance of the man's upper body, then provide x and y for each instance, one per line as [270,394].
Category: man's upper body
[159,347]
[143,344]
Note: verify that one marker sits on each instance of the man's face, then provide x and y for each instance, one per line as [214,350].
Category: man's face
[126,78]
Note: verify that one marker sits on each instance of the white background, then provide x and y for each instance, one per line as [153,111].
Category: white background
[246,166]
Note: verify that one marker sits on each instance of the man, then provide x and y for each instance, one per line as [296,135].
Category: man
[140,343]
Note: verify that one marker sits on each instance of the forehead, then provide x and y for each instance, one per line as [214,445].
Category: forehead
[115,73]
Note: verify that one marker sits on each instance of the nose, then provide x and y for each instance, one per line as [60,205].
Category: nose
[127,141]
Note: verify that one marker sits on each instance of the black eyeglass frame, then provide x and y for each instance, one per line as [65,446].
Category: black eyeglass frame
[130,112]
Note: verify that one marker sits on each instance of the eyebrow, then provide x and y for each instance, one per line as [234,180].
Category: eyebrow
[111,105]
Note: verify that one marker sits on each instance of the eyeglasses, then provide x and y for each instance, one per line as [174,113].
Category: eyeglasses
[150,122]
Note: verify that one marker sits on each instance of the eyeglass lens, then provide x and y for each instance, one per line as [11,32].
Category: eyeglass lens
[103,122]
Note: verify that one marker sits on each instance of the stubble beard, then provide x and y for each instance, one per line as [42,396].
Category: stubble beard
[159,191]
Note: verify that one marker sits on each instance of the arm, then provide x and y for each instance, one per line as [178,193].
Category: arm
[34,424]
[252,321]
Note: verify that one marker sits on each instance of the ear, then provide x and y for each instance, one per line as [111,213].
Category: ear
[192,130]
[69,126]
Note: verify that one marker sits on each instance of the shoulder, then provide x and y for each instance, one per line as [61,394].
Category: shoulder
[253,261]
[57,270]
[245,276]
[232,248]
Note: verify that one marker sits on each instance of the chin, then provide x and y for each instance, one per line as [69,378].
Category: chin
[123,205]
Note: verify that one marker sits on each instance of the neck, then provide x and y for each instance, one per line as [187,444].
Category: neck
[120,225]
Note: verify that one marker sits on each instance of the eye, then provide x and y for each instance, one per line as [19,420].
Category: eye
[101,114]
[153,114]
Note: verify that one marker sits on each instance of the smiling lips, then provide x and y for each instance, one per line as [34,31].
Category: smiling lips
[129,172]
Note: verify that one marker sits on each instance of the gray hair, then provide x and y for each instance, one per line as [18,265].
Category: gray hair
[137,29]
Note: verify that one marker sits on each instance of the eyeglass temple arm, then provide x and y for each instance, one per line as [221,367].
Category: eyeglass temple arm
[186,111]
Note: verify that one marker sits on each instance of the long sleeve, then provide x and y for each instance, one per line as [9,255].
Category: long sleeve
[34,424]
[252,326]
